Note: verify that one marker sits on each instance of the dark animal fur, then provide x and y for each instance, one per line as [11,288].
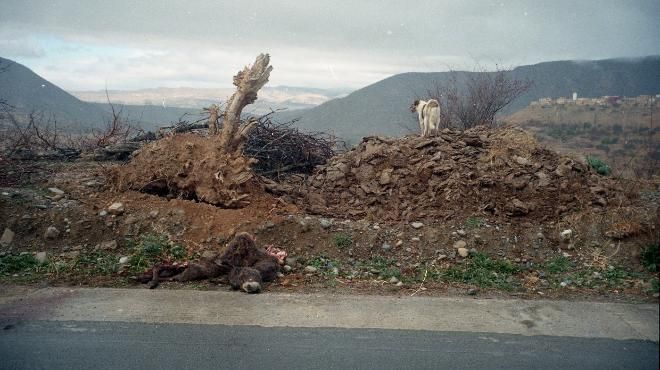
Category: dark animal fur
[247,265]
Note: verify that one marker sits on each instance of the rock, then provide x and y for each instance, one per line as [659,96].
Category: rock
[269,225]
[103,213]
[310,269]
[208,255]
[563,284]
[399,243]
[472,291]
[7,237]
[415,239]
[566,234]
[291,261]
[335,271]
[441,257]
[124,260]
[460,232]
[473,251]
[417,225]
[153,214]
[460,244]
[399,284]
[51,233]
[56,191]
[280,275]
[287,268]
[111,244]
[325,223]
[521,160]
[41,257]
[386,246]
[116,208]
[305,226]
[463,252]
[92,183]
[376,227]
[394,280]
[540,236]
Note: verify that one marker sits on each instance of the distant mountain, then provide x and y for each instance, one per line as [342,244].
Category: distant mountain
[382,108]
[278,97]
[26,91]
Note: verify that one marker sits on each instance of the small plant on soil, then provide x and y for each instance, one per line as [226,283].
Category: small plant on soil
[11,264]
[342,240]
[474,222]
[153,248]
[483,271]
[599,166]
[651,257]
[558,264]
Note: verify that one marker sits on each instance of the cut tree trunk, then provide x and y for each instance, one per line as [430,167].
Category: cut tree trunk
[247,82]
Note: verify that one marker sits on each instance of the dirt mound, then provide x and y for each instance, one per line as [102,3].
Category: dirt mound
[190,167]
[501,172]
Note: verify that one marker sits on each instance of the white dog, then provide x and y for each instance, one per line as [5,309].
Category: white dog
[429,115]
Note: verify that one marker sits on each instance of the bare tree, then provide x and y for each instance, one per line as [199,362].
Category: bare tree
[4,105]
[483,95]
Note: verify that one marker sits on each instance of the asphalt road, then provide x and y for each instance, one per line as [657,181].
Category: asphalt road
[33,344]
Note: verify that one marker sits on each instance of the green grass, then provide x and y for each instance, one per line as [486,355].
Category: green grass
[558,265]
[11,264]
[474,222]
[151,249]
[483,271]
[599,166]
[342,241]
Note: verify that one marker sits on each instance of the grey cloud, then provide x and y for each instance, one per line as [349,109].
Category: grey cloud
[385,36]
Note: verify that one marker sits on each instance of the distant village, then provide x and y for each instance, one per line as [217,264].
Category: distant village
[603,101]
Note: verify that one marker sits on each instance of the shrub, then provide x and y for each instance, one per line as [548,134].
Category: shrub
[651,257]
[599,166]
[342,240]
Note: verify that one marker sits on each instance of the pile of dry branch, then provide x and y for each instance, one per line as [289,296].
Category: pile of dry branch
[281,148]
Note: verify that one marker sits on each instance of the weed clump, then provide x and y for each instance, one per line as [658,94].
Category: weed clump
[599,166]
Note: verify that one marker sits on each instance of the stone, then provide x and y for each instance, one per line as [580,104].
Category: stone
[111,244]
[153,214]
[472,291]
[280,275]
[41,257]
[461,232]
[441,257]
[269,225]
[291,261]
[124,260]
[386,246]
[460,244]
[208,254]
[399,243]
[305,226]
[103,213]
[399,284]
[566,234]
[310,269]
[463,252]
[325,223]
[56,191]
[521,160]
[394,280]
[417,225]
[415,239]
[287,268]
[473,252]
[51,233]
[7,238]
[116,208]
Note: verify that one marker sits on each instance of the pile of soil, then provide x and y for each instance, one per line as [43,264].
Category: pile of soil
[502,173]
[190,167]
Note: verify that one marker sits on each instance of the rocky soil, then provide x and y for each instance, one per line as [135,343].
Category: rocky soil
[481,212]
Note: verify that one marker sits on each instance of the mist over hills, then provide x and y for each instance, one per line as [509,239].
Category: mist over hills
[382,108]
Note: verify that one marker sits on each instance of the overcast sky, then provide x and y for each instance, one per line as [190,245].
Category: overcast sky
[85,44]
